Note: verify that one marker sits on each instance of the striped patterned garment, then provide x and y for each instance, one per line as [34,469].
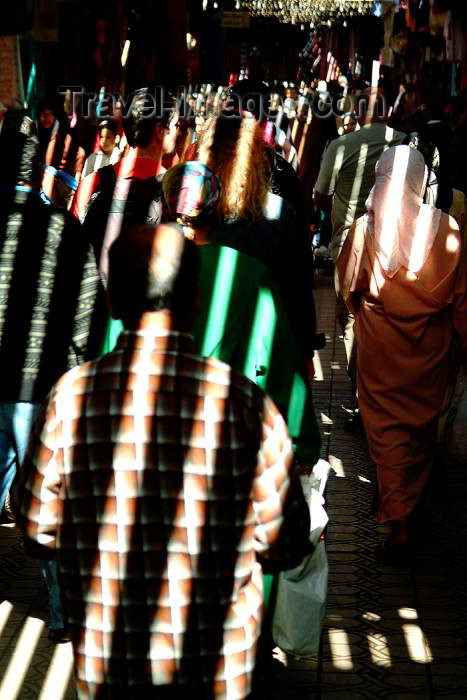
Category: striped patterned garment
[49,284]
[161,478]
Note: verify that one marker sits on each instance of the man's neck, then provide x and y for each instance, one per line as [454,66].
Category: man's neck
[153,151]
[140,160]
[157,322]
[370,121]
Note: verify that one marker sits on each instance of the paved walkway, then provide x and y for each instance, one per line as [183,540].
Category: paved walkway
[390,632]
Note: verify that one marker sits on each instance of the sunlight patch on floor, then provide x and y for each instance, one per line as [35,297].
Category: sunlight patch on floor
[337,466]
[21,659]
[59,673]
[5,611]
[408,613]
[340,649]
[417,644]
[318,367]
[379,649]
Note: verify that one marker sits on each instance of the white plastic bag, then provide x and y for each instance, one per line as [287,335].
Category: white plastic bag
[301,592]
[300,605]
[313,488]
[456,429]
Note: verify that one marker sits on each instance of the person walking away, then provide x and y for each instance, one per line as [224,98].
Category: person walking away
[242,320]
[108,152]
[49,284]
[61,156]
[402,273]
[346,176]
[160,480]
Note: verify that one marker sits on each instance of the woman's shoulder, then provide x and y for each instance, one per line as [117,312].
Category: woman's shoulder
[448,228]
[447,248]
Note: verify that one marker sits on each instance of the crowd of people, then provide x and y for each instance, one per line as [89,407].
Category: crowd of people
[157,333]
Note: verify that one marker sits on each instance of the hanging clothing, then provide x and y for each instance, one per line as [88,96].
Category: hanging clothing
[455,34]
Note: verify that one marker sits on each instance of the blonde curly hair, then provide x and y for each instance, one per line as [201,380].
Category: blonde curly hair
[233,147]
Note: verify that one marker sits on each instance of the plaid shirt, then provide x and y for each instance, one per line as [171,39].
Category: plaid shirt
[159,476]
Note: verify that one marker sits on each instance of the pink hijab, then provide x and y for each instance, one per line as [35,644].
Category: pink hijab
[402,228]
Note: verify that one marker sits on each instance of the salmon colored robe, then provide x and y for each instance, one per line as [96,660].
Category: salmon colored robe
[404,328]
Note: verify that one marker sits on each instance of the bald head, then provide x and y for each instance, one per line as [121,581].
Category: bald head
[153,269]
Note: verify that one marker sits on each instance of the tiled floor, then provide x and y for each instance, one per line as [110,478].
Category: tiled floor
[390,632]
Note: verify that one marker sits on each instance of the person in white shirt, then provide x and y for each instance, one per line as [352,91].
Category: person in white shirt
[109,152]
[345,179]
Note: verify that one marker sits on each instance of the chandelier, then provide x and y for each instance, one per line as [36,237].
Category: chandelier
[314,11]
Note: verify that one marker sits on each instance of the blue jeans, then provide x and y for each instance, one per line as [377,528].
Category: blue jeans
[49,570]
[16,422]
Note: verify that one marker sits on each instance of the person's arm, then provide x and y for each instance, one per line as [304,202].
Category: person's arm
[459,310]
[282,516]
[326,182]
[288,386]
[79,163]
[323,202]
[35,496]
[83,194]
[88,165]
[348,266]
[269,343]
[292,268]
[90,291]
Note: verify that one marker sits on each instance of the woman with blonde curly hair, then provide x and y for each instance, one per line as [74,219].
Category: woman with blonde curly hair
[254,220]
[233,147]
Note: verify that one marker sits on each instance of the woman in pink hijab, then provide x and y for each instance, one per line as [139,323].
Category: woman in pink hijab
[402,274]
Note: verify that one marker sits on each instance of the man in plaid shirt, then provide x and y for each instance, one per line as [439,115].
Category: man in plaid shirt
[162,483]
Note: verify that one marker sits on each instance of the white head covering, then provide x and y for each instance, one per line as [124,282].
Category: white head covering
[401,226]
